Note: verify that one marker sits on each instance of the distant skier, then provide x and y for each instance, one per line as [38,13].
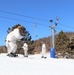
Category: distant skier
[25,48]
[43,53]
[11,40]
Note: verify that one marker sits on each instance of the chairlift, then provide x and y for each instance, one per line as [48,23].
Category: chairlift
[36,35]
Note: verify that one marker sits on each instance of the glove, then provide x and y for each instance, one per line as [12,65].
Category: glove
[22,39]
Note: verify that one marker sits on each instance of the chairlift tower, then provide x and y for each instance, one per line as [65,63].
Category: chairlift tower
[52,27]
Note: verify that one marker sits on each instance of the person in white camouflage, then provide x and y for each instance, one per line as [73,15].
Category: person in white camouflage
[25,48]
[43,52]
[11,40]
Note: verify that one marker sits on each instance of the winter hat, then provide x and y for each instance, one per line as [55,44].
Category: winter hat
[20,27]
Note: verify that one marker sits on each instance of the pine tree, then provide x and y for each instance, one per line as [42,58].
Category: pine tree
[27,38]
[71,46]
[62,42]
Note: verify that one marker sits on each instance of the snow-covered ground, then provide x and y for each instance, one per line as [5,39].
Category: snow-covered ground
[35,65]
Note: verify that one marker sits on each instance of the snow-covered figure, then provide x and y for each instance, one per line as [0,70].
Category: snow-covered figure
[25,48]
[11,40]
[43,53]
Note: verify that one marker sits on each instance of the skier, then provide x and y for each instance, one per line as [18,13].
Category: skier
[11,40]
[25,48]
[43,53]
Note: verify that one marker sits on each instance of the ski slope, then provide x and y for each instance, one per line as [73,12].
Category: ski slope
[35,65]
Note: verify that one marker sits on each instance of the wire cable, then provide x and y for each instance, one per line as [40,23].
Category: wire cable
[32,18]
[23,15]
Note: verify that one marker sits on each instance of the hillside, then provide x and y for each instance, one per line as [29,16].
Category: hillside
[35,65]
[36,46]
[70,35]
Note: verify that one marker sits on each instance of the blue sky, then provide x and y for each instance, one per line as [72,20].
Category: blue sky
[39,11]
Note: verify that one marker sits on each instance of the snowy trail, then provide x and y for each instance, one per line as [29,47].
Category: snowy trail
[34,65]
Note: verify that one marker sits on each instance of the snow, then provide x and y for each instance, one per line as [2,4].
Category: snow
[35,65]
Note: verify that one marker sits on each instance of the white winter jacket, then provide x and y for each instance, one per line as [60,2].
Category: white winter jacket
[25,46]
[14,36]
[43,47]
